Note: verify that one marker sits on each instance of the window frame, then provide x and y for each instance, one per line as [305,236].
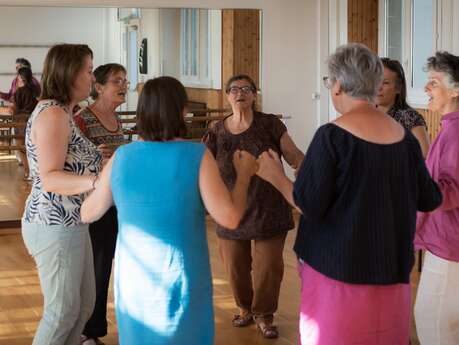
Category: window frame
[416,97]
[208,50]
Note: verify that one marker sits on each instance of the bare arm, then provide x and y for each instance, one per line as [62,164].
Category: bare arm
[50,133]
[421,134]
[101,199]
[271,170]
[227,208]
[291,152]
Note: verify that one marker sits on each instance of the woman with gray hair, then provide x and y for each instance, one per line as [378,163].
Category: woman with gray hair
[358,189]
[437,306]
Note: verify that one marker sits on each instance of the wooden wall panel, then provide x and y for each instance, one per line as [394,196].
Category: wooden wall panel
[433,122]
[227,45]
[363,22]
[240,54]
[240,45]
[247,43]
[212,98]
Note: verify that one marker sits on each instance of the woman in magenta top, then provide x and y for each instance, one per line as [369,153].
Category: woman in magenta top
[20,63]
[437,303]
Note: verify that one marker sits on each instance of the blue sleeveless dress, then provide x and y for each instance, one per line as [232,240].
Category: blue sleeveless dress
[163,287]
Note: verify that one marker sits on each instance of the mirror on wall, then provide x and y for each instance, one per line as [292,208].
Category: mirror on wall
[200,47]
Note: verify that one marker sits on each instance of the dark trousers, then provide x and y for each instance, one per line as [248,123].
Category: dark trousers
[103,237]
[255,274]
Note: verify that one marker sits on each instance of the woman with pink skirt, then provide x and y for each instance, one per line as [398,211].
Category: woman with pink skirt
[358,189]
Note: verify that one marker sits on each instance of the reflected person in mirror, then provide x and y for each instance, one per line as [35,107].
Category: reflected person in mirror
[100,124]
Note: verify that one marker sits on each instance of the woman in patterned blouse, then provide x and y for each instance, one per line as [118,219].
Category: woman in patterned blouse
[391,99]
[100,124]
[63,165]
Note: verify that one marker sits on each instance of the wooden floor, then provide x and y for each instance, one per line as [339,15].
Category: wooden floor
[13,189]
[21,299]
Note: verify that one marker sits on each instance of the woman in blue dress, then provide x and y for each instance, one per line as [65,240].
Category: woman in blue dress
[161,186]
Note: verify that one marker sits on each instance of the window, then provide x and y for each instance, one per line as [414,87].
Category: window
[200,47]
[422,40]
[408,30]
[394,32]
[125,14]
[132,61]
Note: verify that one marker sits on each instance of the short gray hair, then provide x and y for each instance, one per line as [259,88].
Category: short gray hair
[448,64]
[358,69]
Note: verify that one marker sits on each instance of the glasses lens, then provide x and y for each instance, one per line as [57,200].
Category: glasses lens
[233,89]
[243,89]
[120,82]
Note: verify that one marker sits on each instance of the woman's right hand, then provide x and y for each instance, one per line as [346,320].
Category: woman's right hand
[245,164]
[106,152]
[270,167]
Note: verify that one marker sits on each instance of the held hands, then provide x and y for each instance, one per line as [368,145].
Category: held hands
[106,152]
[245,164]
[270,166]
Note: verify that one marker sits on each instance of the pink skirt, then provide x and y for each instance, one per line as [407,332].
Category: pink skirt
[337,313]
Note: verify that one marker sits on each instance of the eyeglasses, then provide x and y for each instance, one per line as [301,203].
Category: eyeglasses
[120,82]
[244,89]
[327,82]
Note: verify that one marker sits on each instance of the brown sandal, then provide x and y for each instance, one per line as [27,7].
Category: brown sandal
[242,320]
[268,331]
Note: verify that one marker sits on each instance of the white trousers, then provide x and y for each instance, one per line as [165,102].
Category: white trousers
[436,310]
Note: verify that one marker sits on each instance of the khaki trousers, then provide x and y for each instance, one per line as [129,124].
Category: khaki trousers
[64,260]
[255,269]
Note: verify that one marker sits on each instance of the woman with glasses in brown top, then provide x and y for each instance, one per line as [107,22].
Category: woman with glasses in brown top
[268,218]
[100,124]
[391,99]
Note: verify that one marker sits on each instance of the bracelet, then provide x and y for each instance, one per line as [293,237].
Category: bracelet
[96,178]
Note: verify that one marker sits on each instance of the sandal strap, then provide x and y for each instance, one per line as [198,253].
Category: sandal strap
[242,320]
[268,331]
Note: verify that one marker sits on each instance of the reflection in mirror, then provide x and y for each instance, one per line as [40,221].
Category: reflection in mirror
[200,47]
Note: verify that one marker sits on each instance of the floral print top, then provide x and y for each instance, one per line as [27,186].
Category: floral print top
[48,208]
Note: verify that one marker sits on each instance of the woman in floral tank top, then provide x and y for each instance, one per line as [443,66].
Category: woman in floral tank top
[64,165]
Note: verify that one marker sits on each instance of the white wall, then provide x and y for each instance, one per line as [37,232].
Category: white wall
[289,51]
[290,65]
[112,43]
[47,26]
